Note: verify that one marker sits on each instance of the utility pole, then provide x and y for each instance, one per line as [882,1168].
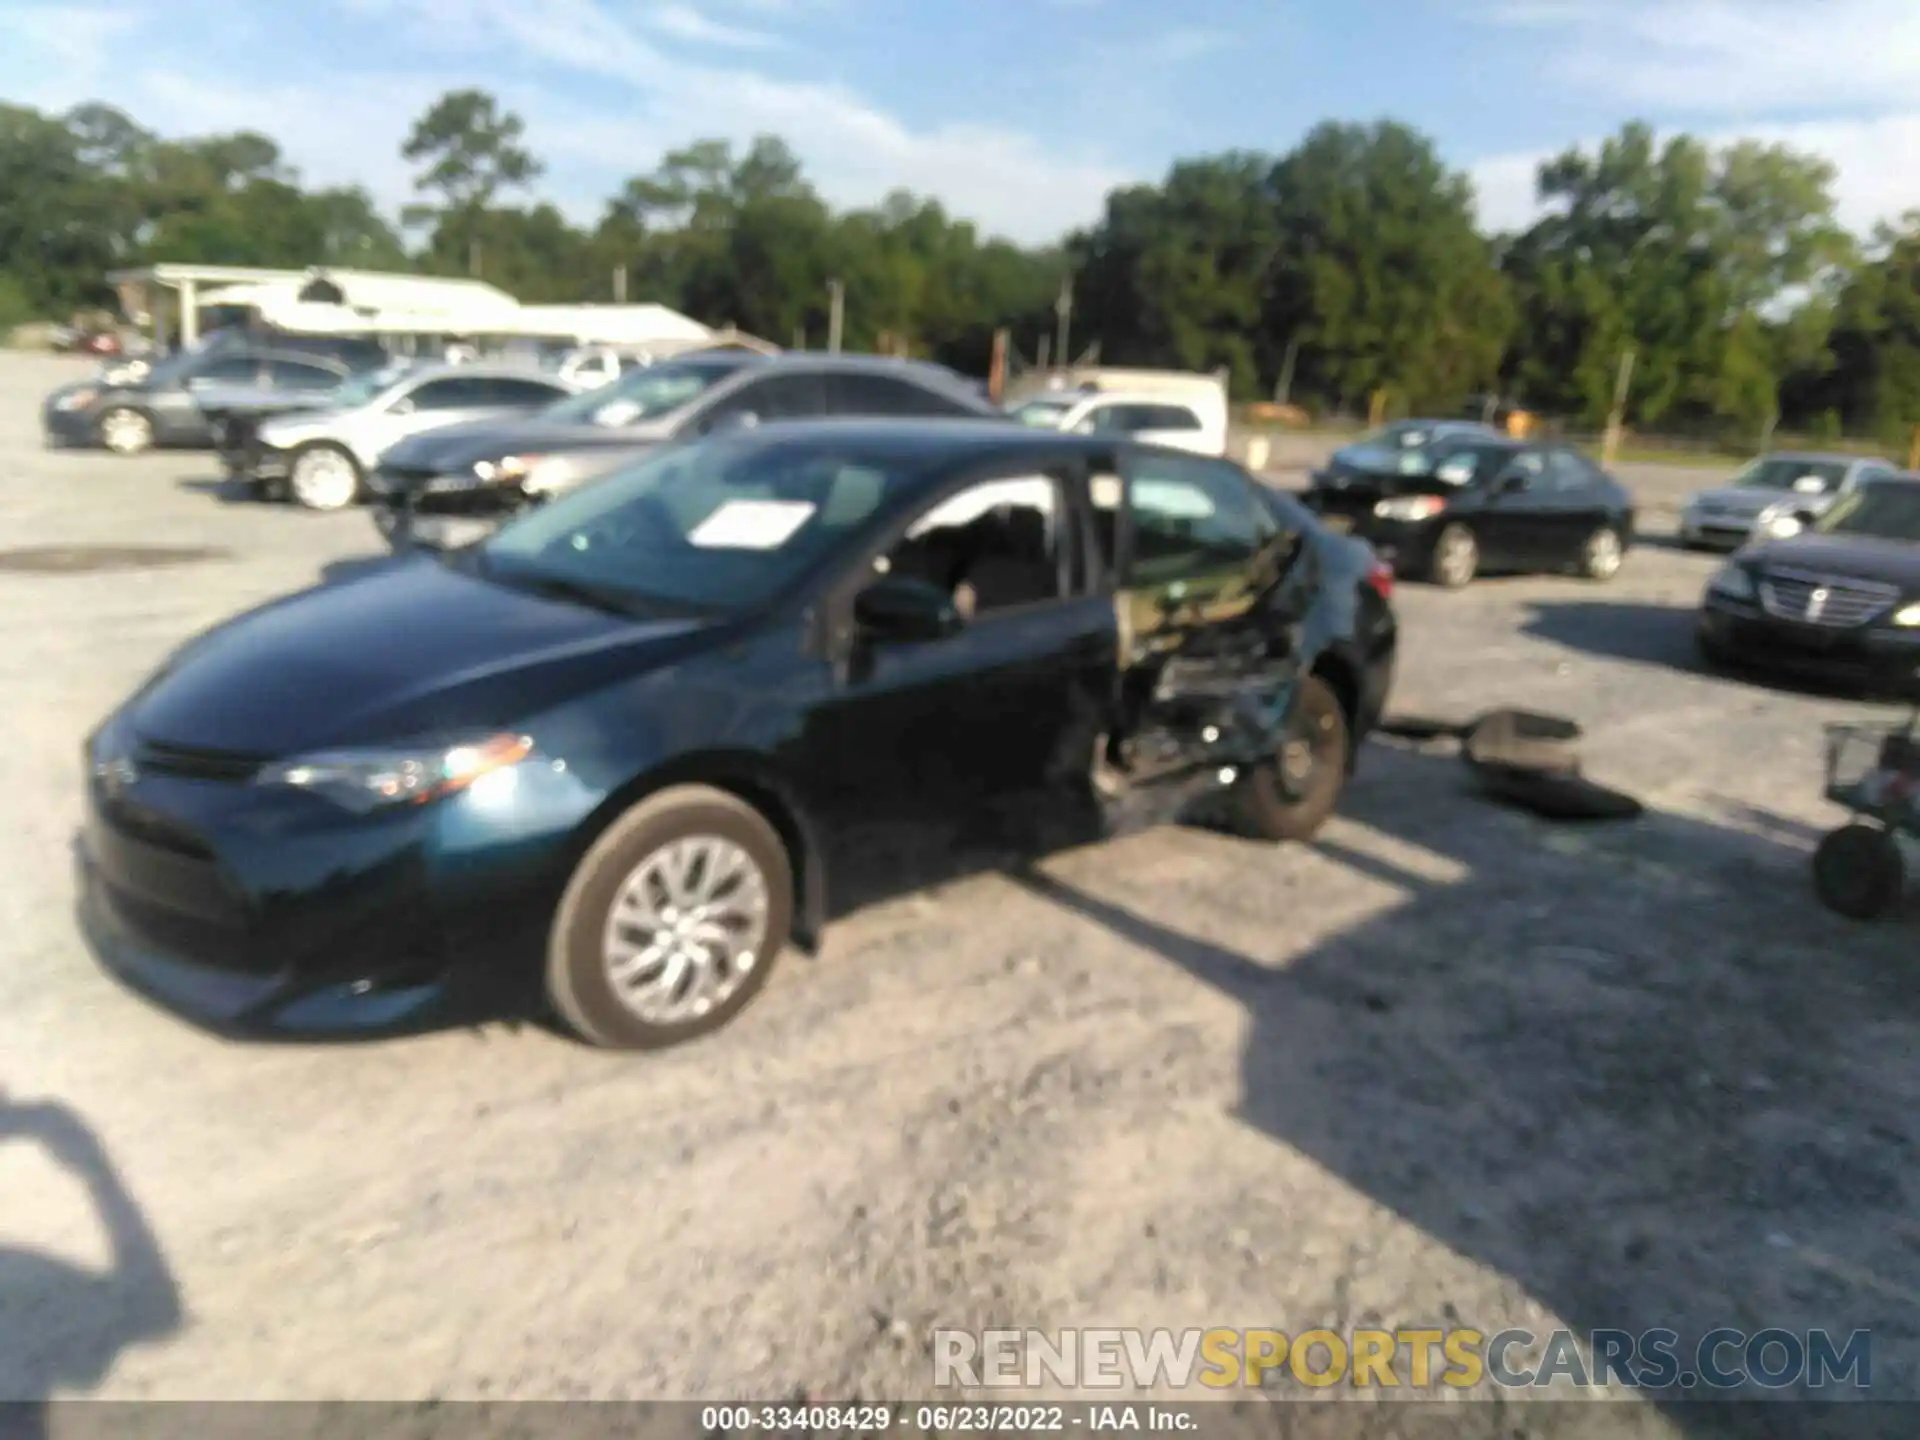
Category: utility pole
[1617,417]
[836,314]
[619,284]
[997,367]
[1063,307]
[1283,387]
[799,337]
[1040,361]
[473,256]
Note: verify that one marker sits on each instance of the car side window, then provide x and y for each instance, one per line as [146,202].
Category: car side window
[230,370]
[1567,472]
[770,398]
[521,393]
[1173,417]
[302,375]
[996,545]
[857,394]
[458,392]
[1192,519]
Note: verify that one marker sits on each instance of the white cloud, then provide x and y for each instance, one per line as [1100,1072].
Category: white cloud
[683,22]
[1877,160]
[1760,57]
[72,42]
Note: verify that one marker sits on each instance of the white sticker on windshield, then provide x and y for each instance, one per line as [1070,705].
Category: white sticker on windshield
[751,524]
[616,413]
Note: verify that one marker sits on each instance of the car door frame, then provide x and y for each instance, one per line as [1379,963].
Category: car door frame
[1570,513]
[1067,645]
[1508,521]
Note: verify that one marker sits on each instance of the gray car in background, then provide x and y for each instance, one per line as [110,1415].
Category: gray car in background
[1790,489]
[321,458]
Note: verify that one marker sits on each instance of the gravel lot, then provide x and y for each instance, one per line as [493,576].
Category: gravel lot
[1450,1065]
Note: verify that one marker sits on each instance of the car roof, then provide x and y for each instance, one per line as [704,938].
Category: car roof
[937,446]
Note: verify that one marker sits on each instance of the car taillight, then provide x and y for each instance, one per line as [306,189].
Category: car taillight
[1380,577]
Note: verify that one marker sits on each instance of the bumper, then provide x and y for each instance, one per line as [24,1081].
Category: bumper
[1883,661]
[1728,532]
[409,516]
[69,427]
[256,464]
[1406,545]
[252,912]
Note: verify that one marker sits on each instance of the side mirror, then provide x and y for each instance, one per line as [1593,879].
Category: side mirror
[904,610]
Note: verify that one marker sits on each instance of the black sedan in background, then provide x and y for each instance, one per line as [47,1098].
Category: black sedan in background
[1839,601]
[176,402]
[623,749]
[1466,505]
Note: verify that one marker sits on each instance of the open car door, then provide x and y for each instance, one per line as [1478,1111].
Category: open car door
[1210,593]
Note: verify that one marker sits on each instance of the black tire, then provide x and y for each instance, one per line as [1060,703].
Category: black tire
[1266,808]
[1858,872]
[577,984]
[1602,554]
[1456,557]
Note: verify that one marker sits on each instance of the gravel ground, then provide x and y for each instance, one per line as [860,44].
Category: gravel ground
[1451,1065]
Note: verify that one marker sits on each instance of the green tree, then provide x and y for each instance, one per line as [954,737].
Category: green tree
[470,150]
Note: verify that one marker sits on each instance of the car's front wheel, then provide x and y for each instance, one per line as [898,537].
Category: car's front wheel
[1291,797]
[671,922]
[1456,556]
[125,431]
[324,477]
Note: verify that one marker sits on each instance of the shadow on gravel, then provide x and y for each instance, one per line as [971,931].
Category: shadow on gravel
[66,1324]
[226,491]
[1685,1100]
[1656,635]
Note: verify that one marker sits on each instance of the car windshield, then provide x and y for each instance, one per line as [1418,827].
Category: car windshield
[1463,462]
[1043,414]
[641,394]
[1784,473]
[717,527]
[1403,435]
[1883,509]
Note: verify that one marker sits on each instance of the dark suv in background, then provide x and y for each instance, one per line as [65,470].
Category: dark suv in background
[175,402]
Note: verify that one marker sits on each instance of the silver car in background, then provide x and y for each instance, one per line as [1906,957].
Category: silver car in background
[1778,494]
[321,458]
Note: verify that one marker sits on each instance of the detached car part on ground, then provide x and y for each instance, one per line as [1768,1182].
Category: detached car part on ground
[455,485]
[622,751]
[1794,486]
[1839,602]
[1525,760]
[320,457]
[1471,501]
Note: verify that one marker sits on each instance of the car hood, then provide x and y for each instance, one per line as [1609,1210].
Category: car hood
[1851,557]
[1746,499]
[413,648]
[460,447]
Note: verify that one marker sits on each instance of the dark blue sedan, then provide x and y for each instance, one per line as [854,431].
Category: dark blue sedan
[616,752]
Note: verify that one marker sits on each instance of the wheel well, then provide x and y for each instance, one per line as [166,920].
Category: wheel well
[809,875]
[1345,684]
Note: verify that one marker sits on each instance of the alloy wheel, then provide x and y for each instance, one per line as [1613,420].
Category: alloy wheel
[126,432]
[1603,554]
[687,928]
[324,479]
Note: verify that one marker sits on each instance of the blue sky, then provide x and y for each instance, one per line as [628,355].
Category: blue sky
[1020,114]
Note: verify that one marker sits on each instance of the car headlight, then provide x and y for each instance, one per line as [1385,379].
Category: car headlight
[1411,507]
[1734,582]
[1907,616]
[78,400]
[364,780]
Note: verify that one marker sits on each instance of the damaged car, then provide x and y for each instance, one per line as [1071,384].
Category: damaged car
[618,755]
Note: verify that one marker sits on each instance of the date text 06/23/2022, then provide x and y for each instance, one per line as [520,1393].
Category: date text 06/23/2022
[944,1419]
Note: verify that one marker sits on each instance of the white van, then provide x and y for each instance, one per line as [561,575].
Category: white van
[1195,420]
